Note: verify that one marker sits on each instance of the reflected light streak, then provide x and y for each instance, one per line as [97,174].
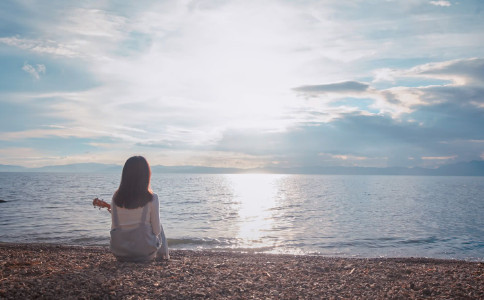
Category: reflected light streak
[255,196]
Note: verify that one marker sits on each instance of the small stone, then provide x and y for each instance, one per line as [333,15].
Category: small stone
[427,292]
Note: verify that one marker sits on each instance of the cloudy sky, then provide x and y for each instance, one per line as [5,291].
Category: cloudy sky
[242,83]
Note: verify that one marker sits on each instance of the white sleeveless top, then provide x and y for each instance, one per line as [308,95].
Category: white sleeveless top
[130,218]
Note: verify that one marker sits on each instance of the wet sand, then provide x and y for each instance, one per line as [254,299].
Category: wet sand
[30,271]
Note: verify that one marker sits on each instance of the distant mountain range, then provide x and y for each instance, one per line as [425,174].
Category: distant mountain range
[473,168]
[72,168]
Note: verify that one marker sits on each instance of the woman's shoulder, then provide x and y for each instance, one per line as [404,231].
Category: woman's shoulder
[154,204]
[154,199]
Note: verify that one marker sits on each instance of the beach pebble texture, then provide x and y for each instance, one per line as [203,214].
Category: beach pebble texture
[39,271]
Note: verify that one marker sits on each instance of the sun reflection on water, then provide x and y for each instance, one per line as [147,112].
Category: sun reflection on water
[255,195]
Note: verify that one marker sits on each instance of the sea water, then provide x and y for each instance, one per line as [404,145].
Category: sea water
[346,216]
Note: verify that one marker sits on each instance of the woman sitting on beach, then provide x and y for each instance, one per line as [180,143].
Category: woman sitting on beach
[136,230]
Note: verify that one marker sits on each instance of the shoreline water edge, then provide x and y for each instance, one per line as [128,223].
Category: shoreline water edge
[62,271]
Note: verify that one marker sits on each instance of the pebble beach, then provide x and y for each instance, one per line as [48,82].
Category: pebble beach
[46,271]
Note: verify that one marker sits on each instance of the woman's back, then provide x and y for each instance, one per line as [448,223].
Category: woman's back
[136,231]
[130,218]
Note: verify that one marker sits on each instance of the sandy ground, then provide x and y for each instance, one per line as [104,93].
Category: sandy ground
[29,271]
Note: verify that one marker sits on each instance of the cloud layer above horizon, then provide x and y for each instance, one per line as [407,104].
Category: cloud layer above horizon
[242,83]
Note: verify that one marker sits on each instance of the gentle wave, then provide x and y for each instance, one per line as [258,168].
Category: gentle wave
[195,242]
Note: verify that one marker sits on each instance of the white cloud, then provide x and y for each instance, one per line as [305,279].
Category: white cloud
[439,157]
[441,3]
[64,132]
[34,71]
[41,46]
[467,71]
[90,34]
[384,74]
[462,78]
[94,23]
[352,160]
[32,157]
[23,156]
[459,71]
[227,66]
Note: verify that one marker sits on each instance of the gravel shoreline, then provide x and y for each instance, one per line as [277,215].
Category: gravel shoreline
[47,271]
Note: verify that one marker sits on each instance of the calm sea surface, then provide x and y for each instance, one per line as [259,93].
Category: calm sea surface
[350,216]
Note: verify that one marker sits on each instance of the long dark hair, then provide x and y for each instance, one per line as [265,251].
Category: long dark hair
[134,190]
